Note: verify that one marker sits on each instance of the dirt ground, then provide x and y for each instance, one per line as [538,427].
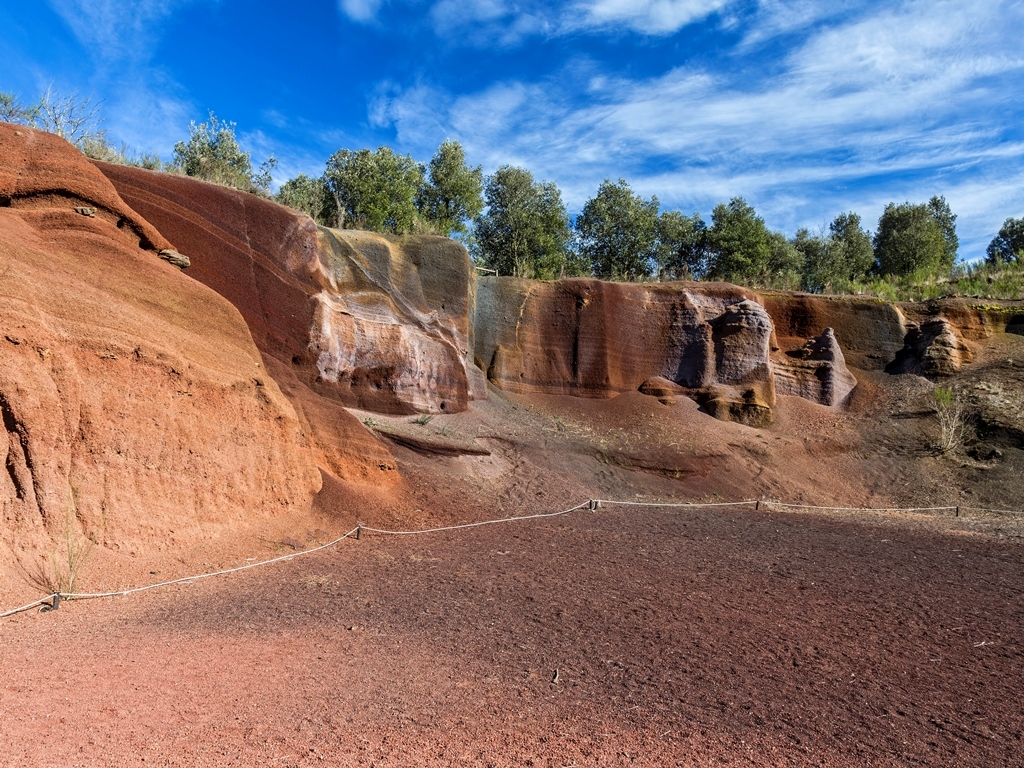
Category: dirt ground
[629,636]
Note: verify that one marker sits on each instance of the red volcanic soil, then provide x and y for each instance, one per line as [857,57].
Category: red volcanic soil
[628,637]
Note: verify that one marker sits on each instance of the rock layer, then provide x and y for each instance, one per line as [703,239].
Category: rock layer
[933,348]
[134,402]
[817,371]
[870,331]
[373,321]
[597,339]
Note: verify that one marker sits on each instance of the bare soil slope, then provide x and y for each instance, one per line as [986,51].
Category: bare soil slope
[137,415]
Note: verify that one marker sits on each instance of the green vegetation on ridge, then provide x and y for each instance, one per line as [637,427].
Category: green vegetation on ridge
[516,225]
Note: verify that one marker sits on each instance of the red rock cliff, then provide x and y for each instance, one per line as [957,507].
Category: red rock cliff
[134,401]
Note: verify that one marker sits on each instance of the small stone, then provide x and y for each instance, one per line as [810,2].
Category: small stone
[86,211]
[177,259]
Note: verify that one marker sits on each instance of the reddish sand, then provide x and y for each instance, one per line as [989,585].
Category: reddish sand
[677,638]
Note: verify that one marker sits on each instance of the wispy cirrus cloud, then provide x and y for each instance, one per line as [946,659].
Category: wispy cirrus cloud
[143,107]
[896,101]
[113,29]
[362,11]
[509,22]
[651,17]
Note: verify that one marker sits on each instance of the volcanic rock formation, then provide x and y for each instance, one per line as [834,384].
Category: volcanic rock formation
[817,371]
[133,400]
[377,322]
[869,330]
[932,349]
[590,338]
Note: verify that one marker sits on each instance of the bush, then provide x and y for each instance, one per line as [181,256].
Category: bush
[212,153]
[952,411]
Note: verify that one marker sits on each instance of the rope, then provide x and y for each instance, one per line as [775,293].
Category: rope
[861,509]
[475,525]
[997,511]
[679,504]
[122,592]
[593,504]
[40,601]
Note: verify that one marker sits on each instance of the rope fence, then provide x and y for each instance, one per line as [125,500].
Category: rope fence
[52,601]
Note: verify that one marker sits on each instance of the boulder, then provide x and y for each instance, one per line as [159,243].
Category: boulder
[666,391]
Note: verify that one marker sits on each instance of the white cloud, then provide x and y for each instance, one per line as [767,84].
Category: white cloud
[905,98]
[114,29]
[362,11]
[653,17]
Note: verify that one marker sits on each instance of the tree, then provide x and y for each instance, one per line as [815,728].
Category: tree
[74,119]
[852,246]
[834,260]
[453,193]
[910,239]
[13,111]
[946,220]
[738,242]
[524,230]
[1008,245]
[311,196]
[374,190]
[682,247]
[819,270]
[212,153]
[617,232]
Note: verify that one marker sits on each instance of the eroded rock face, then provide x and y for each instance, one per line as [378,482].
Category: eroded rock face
[817,371]
[134,403]
[377,322]
[933,348]
[393,321]
[597,339]
[870,331]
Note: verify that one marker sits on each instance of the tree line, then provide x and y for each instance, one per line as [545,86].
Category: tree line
[517,225]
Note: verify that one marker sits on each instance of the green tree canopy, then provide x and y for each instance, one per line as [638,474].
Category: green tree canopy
[911,239]
[682,247]
[525,229]
[374,190]
[311,196]
[819,270]
[833,261]
[738,242]
[1008,245]
[946,220]
[453,192]
[212,153]
[852,245]
[617,232]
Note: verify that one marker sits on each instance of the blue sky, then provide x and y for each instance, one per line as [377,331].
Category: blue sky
[806,109]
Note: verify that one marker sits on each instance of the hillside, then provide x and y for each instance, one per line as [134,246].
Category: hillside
[157,413]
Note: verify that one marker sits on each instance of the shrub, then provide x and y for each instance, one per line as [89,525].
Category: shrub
[952,412]
[212,153]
